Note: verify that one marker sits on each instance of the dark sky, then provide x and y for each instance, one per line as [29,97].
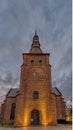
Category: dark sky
[18,21]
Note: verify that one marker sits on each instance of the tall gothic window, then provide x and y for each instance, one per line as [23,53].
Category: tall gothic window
[35,95]
[12,115]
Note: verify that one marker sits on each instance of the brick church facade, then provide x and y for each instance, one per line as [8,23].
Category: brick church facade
[35,101]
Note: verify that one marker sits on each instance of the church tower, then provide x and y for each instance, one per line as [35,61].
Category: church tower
[35,102]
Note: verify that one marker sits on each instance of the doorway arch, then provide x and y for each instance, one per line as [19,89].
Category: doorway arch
[35,117]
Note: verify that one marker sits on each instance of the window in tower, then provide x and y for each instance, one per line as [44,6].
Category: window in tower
[35,95]
[40,62]
[32,62]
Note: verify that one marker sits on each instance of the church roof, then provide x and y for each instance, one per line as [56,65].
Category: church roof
[13,91]
[56,91]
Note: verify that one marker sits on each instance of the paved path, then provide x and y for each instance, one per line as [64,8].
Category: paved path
[58,127]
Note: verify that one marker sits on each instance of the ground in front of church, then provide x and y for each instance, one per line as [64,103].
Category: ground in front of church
[58,127]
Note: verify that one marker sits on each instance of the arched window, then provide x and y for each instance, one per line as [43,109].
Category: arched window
[32,62]
[35,95]
[12,115]
[40,62]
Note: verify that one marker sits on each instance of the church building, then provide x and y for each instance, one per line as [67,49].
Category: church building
[35,102]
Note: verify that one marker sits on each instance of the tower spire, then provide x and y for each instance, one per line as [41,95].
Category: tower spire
[35,32]
[35,46]
[35,39]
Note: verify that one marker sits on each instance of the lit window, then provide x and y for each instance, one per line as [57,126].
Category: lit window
[12,115]
[35,95]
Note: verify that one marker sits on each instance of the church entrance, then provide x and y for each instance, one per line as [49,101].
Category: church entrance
[35,117]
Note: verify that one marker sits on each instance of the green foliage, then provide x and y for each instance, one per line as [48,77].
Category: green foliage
[6,125]
[70,112]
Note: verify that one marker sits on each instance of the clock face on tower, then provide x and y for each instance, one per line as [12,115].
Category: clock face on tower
[38,72]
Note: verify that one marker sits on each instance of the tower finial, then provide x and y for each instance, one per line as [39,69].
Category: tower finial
[35,32]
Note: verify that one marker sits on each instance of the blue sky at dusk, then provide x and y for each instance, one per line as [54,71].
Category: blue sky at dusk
[18,21]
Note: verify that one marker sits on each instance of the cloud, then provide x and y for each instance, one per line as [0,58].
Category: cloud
[66,88]
[64,84]
[7,82]
[3,5]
